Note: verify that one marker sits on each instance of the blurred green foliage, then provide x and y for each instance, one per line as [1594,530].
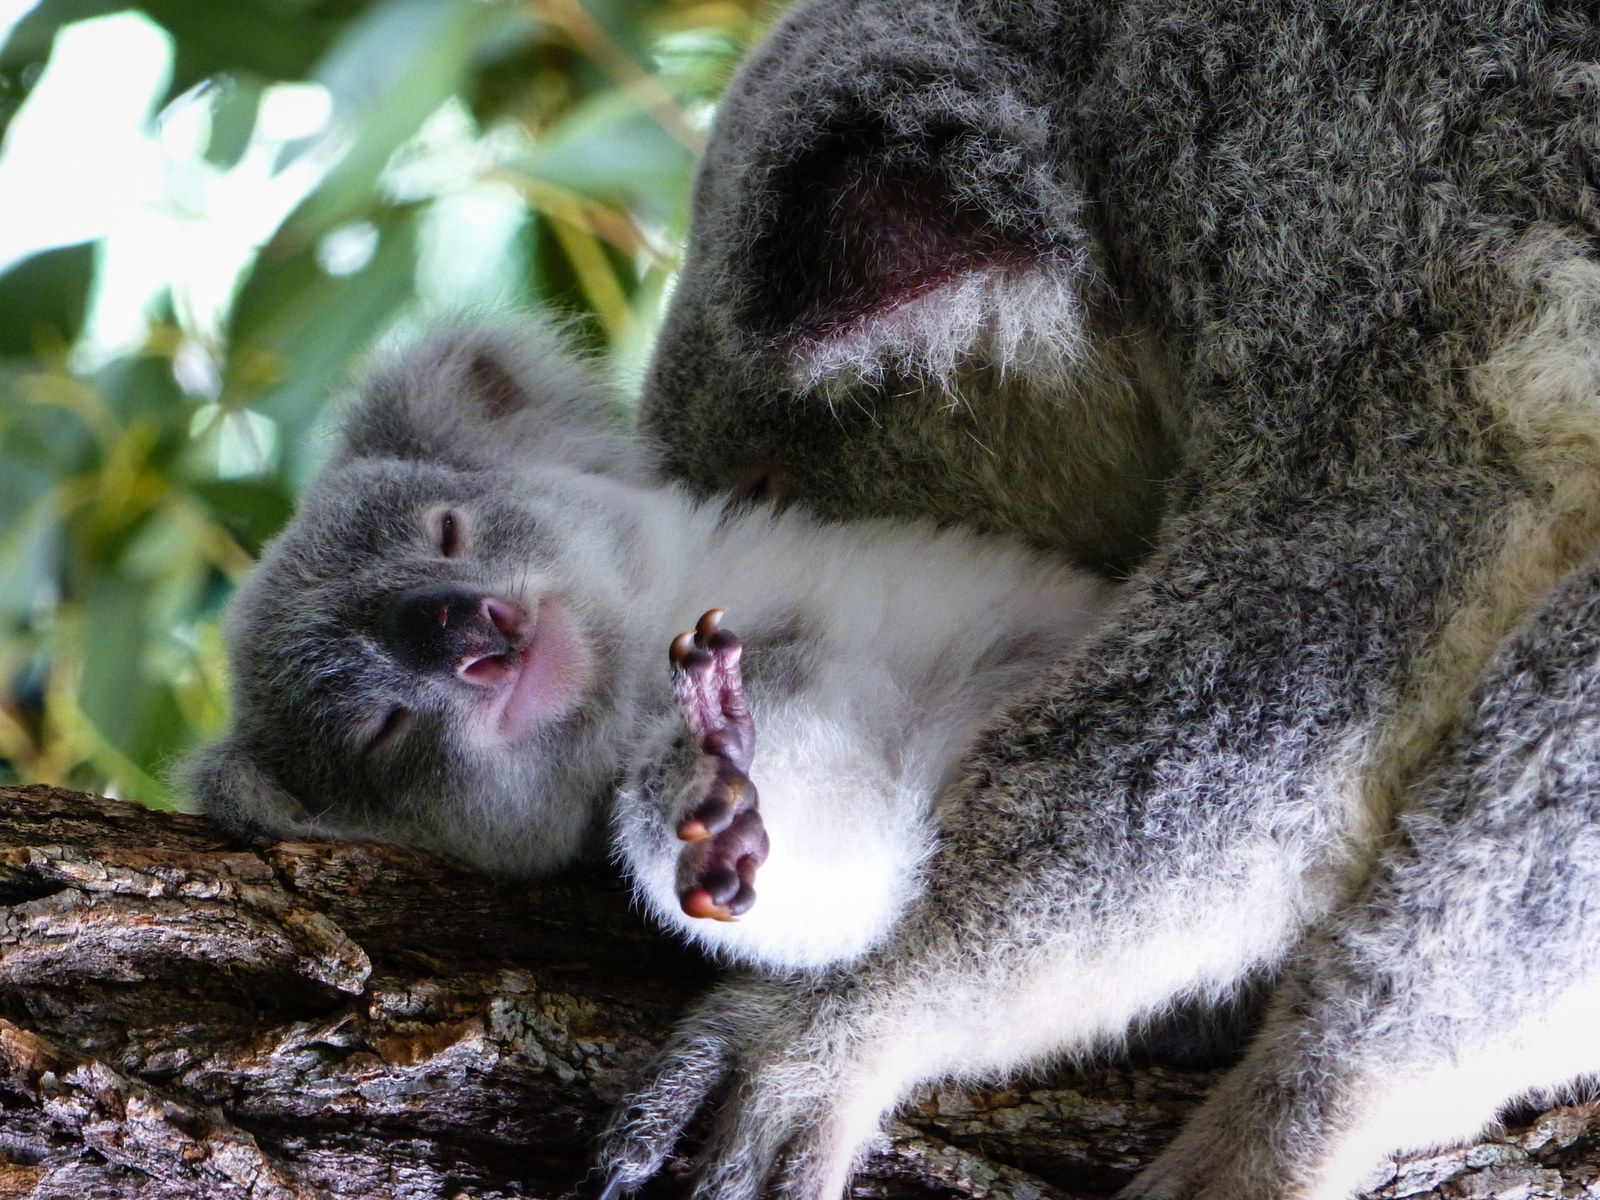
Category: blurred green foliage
[472,153]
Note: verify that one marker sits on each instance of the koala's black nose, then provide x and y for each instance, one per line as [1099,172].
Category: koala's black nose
[442,629]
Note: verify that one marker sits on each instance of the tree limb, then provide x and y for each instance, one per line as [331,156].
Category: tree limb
[182,1016]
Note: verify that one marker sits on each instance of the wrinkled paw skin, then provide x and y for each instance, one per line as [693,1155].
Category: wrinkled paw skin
[728,842]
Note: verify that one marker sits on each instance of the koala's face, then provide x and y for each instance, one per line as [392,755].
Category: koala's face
[420,651]
[430,651]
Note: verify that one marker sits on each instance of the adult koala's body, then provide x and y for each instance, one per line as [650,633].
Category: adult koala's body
[1311,294]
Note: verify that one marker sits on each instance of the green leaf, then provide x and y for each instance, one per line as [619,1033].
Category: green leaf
[242,35]
[391,70]
[142,386]
[300,326]
[113,655]
[210,38]
[165,734]
[43,298]
[32,37]
[234,103]
[39,444]
[608,147]
[253,510]
[30,559]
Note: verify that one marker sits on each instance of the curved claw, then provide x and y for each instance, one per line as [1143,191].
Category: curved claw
[697,902]
[699,638]
[708,625]
[681,647]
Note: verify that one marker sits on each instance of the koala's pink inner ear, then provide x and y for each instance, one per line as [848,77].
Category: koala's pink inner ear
[499,390]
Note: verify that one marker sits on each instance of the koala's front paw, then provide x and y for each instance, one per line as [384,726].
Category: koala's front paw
[777,1062]
[728,841]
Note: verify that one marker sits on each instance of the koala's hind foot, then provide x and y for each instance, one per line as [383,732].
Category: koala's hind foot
[727,840]
[787,1067]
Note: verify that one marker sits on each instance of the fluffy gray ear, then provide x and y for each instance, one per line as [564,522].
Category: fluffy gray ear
[476,395]
[230,788]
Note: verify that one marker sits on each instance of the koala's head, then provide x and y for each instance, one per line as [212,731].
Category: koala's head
[427,653]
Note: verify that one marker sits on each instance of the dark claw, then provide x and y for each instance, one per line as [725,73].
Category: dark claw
[708,625]
[697,902]
[680,649]
[730,794]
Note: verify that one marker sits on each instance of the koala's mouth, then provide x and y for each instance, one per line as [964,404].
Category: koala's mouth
[524,660]
[544,678]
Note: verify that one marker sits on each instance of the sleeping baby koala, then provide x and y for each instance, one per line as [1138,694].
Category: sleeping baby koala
[462,642]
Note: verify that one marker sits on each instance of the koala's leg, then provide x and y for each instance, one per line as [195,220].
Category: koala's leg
[722,823]
[1466,975]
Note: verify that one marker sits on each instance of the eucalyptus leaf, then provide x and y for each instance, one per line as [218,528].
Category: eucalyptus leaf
[295,327]
[113,653]
[392,69]
[31,552]
[609,147]
[253,510]
[42,299]
[235,100]
[209,38]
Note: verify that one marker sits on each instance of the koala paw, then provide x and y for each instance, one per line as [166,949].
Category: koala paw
[727,840]
[776,1064]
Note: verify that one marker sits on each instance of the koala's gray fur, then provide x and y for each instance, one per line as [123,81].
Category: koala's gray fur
[1305,299]
[461,641]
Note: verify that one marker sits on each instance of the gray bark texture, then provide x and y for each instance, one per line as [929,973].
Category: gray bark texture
[183,1016]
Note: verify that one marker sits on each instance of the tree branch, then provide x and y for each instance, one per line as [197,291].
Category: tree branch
[184,1017]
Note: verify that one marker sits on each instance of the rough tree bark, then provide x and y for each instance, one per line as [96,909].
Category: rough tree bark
[183,1016]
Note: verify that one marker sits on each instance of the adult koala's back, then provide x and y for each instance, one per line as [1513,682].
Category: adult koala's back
[1308,296]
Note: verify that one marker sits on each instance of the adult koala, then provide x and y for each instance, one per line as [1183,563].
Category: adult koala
[1309,296]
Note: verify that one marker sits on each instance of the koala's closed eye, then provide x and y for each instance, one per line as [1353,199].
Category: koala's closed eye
[394,727]
[448,533]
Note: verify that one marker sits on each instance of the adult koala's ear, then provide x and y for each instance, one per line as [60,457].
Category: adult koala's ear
[232,790]
[487,395]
